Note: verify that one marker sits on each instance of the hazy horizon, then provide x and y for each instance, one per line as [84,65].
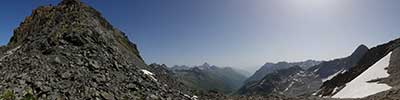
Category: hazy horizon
[236,33]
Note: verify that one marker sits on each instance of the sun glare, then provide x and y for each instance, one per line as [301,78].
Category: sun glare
[314,4]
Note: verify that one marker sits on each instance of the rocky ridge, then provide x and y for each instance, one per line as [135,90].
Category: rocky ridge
[292,82]
[69,51]
[302,82]
[268,68]
[371,57]
[328,68]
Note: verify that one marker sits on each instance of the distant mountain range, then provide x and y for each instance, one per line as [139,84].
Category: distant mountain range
[268,68]
[296,79]
[292,81]
[69,51]
[208,77]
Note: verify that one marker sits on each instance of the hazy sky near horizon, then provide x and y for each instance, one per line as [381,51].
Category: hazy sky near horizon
[239,33]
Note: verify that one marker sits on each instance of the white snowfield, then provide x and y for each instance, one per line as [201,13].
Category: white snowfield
[150,74]
[359,87]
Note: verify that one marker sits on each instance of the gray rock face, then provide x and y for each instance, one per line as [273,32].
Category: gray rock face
[69,51]
[393,69]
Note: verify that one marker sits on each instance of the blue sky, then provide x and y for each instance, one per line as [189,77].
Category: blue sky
[239,33]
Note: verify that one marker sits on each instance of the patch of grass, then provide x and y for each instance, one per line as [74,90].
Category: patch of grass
[29,96]
[8,95]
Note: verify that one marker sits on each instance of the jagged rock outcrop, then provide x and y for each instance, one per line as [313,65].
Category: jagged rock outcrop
[373,55]
[69,51]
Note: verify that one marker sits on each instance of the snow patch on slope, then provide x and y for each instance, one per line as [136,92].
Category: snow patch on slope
[359,87]
[194,97]
[335,89]
[333,75]
[290,85]
[150,74]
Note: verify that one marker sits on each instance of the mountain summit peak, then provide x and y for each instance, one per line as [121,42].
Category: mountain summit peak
[70,2]
[360,51]
[69,23]
[206,64]
[70,51]
[362,46]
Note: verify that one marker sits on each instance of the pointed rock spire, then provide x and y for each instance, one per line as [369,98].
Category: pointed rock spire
[360,51]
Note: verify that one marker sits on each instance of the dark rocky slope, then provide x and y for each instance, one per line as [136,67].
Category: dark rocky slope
[293,81]
[393,69]
[268,68]
[69,51]
[371,57]
[328,68]
[167,77]
[301,82]
[263,97]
